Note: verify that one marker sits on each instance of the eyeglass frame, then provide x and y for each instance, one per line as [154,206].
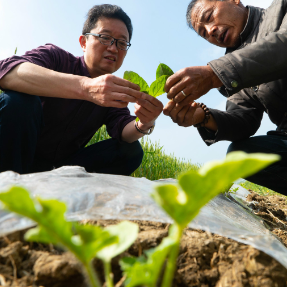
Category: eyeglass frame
[112,42]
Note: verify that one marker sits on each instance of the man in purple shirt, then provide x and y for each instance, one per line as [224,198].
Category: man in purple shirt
[53,103]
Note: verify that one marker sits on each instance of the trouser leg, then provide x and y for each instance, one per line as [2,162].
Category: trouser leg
[109,156]
[20,124]
[275,175]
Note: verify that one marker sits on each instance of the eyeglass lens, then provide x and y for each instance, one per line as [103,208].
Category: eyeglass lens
[108,40]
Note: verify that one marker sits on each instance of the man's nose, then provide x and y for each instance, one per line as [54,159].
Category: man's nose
[113,47]
[211,30]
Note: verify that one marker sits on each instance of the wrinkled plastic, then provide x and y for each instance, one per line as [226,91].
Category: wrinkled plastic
[100,196]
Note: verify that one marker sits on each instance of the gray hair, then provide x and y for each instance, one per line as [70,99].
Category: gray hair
[189,10]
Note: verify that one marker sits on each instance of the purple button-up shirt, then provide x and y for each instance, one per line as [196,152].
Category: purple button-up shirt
[68,124]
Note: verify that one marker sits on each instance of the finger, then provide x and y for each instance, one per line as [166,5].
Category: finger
[189,116]
[181,115]
[128,91]
[181,96]
[154,101]
[150,106]
[125,83]
[176,89]
[121,97]
[168,108]
[172,80]
[174,112]
[143,118]
[189,99]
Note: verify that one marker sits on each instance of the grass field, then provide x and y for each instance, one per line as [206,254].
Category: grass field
[156,164]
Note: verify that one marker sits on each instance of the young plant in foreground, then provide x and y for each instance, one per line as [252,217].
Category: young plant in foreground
[182,202]
[157,87]
[84,241]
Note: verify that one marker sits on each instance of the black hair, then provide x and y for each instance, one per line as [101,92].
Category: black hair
[106,11]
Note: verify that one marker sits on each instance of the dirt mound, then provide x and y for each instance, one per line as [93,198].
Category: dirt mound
[273,210]
[205,260]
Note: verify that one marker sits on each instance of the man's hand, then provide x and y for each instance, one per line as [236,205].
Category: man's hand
[193,81]
[147,109]
[184,116]
[111,91]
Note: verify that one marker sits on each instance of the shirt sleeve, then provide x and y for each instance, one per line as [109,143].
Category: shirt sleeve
[46,56]
[240,121]
[116,119]
[260,62]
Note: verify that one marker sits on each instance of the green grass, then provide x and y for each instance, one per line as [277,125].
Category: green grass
[259,189]
[156,164]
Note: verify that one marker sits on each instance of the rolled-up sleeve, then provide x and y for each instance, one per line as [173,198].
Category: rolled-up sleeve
[115,121]
[240,121]
[43,56]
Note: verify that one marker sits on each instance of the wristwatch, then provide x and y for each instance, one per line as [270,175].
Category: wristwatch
[141,131]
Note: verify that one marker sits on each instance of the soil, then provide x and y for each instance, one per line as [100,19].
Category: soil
[205,259]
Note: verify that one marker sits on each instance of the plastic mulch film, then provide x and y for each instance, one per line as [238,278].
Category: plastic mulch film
[101,196]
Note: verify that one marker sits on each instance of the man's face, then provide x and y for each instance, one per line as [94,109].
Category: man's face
[219,22]
[101,59]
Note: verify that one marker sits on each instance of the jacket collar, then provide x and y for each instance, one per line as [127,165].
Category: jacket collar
[254,15]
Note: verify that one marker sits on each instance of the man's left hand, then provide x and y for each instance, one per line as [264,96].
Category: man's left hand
[193,81]
[184,116]
[147,109]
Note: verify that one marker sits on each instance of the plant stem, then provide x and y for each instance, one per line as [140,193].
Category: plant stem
[92,275]
[171,261]
[108,272]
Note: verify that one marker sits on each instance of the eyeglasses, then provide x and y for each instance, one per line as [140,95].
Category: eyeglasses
[109,41]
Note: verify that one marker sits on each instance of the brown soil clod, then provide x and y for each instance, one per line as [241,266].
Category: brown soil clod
[204,260]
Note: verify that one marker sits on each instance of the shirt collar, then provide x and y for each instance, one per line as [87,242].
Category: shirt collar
[254,15]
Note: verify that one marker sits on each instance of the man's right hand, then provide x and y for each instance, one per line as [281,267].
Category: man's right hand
[111,91]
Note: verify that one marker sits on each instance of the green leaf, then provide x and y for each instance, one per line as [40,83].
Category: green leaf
[126,232]
[197,188]
[144,271]
[163,70]
[39,234]
[157,87]
[18,198]
[53,226]
[138,80]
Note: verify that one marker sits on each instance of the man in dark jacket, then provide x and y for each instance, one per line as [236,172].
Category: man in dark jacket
[252,75]
[53,103]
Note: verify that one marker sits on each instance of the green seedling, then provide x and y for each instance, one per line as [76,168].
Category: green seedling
[183,201]
[157,87]
[84,241]
[127,233]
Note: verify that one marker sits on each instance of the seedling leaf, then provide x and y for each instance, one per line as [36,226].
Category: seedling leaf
[126,232]
[138,80]
[157,87]
[163,70]
[144,271]
[53,226]
[196,188]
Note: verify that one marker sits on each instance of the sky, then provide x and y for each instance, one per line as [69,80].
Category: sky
[161,35]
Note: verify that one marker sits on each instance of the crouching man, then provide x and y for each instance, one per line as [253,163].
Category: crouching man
[54,102]
[252,75]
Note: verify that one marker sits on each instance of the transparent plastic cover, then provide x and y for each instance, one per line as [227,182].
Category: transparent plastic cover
[102,196]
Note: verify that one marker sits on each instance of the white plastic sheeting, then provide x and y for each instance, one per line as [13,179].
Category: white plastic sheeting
[101,196]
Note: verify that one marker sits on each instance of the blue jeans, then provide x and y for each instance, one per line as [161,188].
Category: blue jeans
[275,175]
[21,120]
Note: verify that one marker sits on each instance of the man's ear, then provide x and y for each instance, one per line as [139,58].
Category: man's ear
[237,2]
[83,42]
